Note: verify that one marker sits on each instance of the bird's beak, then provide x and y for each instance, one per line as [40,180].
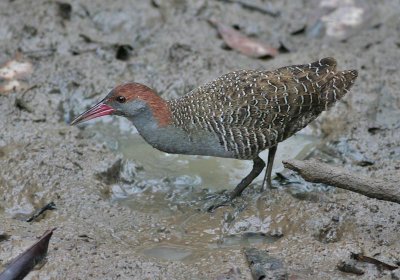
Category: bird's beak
[98,110]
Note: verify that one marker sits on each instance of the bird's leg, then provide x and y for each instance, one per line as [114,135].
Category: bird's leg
[258,166]
[268,172]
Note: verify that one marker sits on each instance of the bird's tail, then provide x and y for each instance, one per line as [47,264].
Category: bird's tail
[338,86]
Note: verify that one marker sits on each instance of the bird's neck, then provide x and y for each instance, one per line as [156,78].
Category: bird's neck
[157,110]
[171,138]
[154,123]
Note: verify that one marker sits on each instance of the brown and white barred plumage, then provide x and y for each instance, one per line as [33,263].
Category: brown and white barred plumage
[250,111]
[236,116]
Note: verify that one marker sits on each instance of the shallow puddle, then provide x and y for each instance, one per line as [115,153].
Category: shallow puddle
[168,253]
[174,187]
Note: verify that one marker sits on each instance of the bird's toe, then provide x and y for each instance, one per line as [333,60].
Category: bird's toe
[217,201]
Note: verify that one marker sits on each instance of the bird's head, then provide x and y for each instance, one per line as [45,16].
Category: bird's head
[129,100]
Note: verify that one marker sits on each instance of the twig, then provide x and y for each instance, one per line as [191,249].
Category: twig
[318,172]
[252,7]
[49,206]
[362,258]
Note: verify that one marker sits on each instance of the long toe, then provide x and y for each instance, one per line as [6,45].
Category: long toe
[217,201]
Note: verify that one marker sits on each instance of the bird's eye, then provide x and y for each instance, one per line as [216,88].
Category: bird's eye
[120,99]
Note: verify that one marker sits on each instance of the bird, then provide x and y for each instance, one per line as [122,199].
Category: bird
[238,115]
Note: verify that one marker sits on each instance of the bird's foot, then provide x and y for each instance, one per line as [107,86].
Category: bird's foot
[217,200]
[267,187]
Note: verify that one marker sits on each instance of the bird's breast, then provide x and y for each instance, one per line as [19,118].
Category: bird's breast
[177,141]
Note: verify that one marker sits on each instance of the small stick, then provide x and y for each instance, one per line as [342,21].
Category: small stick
[49,206]
[252,7]
[318,172]
[362,258]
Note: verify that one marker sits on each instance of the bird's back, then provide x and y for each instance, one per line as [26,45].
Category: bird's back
[250,111]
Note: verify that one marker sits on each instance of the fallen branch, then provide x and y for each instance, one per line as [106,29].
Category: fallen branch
[363,258]
[318,172]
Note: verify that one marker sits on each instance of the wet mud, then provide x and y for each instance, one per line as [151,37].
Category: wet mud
[125,211]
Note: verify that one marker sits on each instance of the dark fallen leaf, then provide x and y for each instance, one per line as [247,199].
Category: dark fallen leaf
[362,258]
[26,261]
[49,206]
[243,44]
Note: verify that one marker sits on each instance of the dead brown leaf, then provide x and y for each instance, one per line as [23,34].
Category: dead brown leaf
[27,260]
[243,44]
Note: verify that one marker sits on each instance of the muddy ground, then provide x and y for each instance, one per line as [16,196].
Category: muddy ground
[156,229]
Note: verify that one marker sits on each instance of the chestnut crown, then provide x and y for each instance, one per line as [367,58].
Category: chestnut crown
[129,100]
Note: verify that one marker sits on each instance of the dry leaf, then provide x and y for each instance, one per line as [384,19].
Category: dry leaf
[243,44]
[27,260]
